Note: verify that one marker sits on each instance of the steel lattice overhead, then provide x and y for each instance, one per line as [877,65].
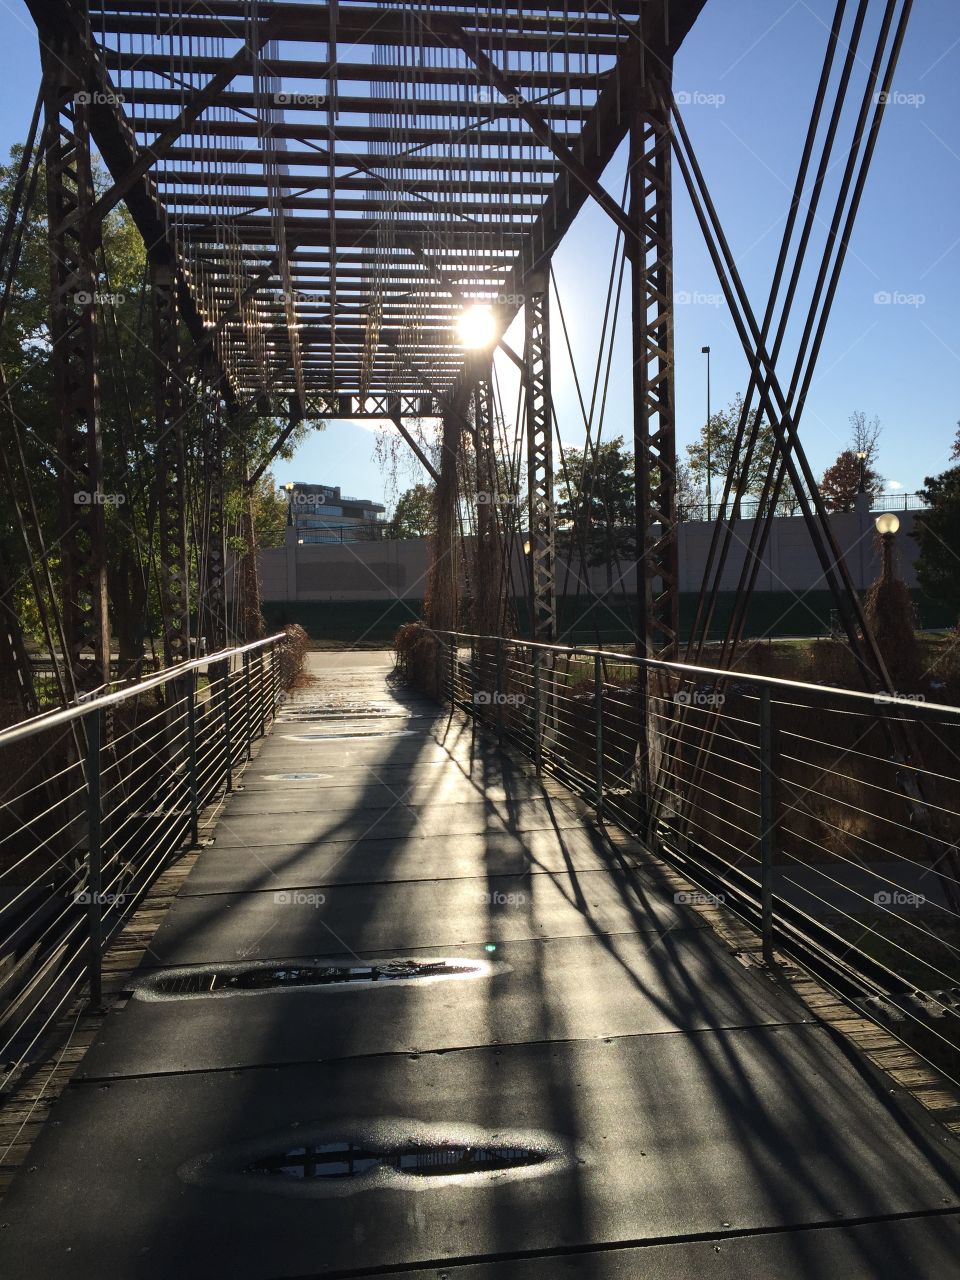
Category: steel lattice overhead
[327,213]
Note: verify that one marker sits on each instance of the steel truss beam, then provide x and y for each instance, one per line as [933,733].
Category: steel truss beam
[73,239]
[539,415]
[171,467]
[654,426]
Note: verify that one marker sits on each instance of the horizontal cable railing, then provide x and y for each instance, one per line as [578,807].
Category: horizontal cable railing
[748,508]
[826,818]
[97,799]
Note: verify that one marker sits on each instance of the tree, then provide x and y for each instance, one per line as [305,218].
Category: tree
[841,480]
[937,530]
[268,508]
[127,424]
[865,436]
[690,497]
[840,483]
[718,439]
[595,505]
[413,516]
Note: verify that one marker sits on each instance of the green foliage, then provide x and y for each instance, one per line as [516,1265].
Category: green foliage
[127,419]
[937,530]
[267,506]
[413,516]
[718,438]
[595,503]
[841,482]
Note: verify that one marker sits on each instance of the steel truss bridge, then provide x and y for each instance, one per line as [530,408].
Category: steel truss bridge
[323,193]
[322,189]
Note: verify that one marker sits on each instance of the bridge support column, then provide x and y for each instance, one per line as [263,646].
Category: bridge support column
[488,592]
[539,405]
[73,237]
[654,435]
[442,605]
[214,551]
[174,567]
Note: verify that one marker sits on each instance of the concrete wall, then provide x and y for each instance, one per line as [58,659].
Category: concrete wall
[389,570]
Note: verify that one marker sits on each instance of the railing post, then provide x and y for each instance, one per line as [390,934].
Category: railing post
[94,731]
[537,750]
[192,756]
[473,679]
[498,688]
[263,695]
[768,820]
[247,708]
[453,672]
[598,731]
[274,681]
[227,718]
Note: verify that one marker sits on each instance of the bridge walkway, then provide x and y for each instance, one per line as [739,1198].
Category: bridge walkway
[413,1015]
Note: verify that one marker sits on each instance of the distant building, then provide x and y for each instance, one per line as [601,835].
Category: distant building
[320,513]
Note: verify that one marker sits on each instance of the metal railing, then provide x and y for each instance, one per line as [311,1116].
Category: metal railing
[96,800]
[825,818]
[313,535]
[897,501]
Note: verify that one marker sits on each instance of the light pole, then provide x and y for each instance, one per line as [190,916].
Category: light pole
[706,352]
[289,488]
[862,460]
[887,525]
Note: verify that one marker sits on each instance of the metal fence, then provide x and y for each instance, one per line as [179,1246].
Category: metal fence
[825,818]
[898,501]
[97,799]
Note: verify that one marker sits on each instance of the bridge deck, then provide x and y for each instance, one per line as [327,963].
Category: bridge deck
[684,1116]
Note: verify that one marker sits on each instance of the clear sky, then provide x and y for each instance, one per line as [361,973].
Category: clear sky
[748,70]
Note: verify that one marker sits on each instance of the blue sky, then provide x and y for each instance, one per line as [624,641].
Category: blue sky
[749,68]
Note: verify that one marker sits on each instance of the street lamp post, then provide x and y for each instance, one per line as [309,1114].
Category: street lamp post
[706,352]
[862,460]
[887,525]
